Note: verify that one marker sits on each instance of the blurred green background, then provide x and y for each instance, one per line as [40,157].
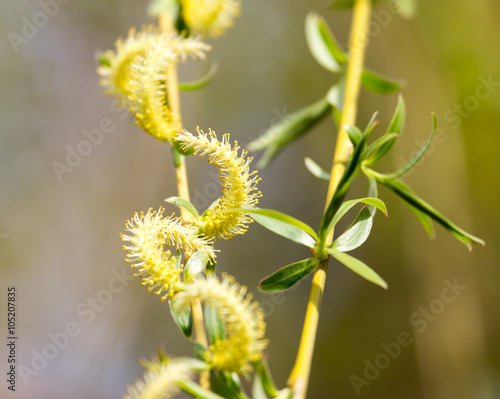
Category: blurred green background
[60,243]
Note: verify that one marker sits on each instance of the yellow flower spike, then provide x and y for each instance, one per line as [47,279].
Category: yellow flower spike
[210,17]
[238,183]
[136,74]
[146,236]
[244,321]
[114,67]
[159,382]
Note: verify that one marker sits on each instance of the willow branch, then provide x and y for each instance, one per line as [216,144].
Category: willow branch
[299,376]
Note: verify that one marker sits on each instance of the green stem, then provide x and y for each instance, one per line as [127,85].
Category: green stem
[167,25]
[299,376]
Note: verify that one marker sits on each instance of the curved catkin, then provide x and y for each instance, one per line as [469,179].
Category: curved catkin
[238,184]
[145,237]
[243,319]
[210,17]
[137,75]
[115,67]
[160,382]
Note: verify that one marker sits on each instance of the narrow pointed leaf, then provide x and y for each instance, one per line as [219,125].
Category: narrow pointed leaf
[398,118]
[288,129]
[354,134]
[379,148]
[407,195]
[266,379]
[213,324]
[424,220]
[358,267]
[373,193]
[183,317]
[287,276]
[323,45]
[258,389]
[185,204]
[282,224]
[342,188]
[195,265]
[357,234]
[219,384]
[316,170]
[197,391]
[347,205]
[201,82]
[335,95]
[417,157]
[378,83]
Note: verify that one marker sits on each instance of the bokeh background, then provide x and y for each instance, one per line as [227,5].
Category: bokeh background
[60,242]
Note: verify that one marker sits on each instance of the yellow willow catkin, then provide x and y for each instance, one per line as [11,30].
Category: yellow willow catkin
[159,382]
[238,183]
[243,319]
[210,17]
[145,237]
[137,75]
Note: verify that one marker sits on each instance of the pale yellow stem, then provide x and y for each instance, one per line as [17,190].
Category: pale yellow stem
[299,376]
[167,25]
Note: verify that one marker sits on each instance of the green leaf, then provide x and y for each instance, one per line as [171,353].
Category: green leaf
[200,352]
[342,188]
[323,45]
[373,193]
[406,8]
[214,325]
[201,82]
[220,384]
[398,119]
[407,195]
[347,205]
[378,149]
[356,235]
[354,134]
[378,83]
[282,224]
[188,206]
[262,371]
[197,391]
[195,265]
[287,276]
[424,220]
[288,129]
[335,96]
[258,389]
[285,393]
[418,156]
[316,170]
[358,267]
[183,317]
